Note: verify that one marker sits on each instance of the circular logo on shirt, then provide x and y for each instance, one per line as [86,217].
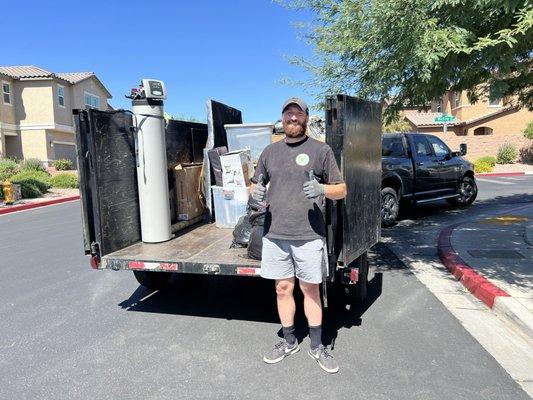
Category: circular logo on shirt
[302,159]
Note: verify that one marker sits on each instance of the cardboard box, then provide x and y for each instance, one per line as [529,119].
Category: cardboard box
[189,202]
[237,169]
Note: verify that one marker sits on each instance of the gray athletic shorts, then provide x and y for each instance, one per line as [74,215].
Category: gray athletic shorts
[305,259]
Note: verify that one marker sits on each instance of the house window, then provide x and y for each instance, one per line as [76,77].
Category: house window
[92,101]
[61,95]
[6,92]
[456,99]
[482,130]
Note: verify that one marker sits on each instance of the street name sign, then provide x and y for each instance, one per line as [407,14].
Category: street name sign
[445,118]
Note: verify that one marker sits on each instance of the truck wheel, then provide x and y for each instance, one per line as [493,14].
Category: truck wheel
[390,206]
[467,193]
[357,293]
[153,280]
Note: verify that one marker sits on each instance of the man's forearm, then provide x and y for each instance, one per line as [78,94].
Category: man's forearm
[335,191]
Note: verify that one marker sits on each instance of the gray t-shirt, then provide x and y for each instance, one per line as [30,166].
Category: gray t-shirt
[286,166]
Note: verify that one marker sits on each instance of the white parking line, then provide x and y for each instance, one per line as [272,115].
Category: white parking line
[495,181]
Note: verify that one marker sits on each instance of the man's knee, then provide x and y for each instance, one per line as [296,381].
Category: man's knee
[311,290]
[284,287]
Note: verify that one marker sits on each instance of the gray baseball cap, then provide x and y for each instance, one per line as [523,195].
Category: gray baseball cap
[299,102]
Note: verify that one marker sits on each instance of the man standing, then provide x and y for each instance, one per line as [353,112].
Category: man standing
[302,172]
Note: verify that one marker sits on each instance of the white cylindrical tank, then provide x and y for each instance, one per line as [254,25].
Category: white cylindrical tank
[152,170]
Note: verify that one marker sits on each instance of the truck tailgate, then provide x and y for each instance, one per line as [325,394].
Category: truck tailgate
[199,249]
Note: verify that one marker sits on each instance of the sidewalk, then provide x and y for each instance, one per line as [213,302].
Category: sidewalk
[54,196]
[493,258]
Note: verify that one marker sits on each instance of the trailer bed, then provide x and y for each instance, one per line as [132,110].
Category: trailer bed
[202,248]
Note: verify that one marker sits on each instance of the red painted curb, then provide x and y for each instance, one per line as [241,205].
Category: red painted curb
[22,207]
[477,284]
[501,174]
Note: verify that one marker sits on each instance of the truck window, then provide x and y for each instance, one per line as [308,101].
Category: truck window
[392,147]
[422,147]
[439,147]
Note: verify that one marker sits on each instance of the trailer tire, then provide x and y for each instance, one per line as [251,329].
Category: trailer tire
[153,280]
[390,206]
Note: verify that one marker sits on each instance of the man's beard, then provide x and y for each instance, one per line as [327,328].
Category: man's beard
[294,130]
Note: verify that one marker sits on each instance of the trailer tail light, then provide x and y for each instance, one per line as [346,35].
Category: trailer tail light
[248,271]
[95,262]
[350,276]
[152,266]
[354,275]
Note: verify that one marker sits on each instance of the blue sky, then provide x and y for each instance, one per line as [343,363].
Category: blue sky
[230,51]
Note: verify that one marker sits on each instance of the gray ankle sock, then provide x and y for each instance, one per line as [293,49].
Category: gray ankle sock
[315,334]
[288,334]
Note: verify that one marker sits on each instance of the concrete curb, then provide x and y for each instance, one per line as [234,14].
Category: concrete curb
[495,298]
[518,173]
[22,207]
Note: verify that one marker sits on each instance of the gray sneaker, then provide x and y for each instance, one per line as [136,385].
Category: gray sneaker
[280,350]
[324,359]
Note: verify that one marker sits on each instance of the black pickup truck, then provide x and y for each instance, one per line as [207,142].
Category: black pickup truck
[419,168]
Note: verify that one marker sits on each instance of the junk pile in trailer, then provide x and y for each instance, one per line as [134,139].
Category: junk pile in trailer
[135,169]
[170,169]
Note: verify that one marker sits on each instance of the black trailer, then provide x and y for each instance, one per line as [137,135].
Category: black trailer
[110,205]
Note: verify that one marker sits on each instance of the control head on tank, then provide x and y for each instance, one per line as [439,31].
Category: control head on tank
[149,89]
[154,89]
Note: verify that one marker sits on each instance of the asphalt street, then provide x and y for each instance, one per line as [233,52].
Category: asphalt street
[71,332]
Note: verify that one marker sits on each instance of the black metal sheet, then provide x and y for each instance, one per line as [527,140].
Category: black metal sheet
[219,115]
[353,130]
[112,180]
[82,151]
[185,142]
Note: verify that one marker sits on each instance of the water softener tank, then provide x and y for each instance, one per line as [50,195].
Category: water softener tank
[151,154]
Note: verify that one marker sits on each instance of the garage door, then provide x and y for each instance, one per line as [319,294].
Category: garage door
[66,151]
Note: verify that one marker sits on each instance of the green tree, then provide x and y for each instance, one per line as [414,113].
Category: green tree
[412,51]
[397,125]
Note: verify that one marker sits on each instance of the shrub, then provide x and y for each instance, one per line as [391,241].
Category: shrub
[63,164]
[487,159]
[8,168]
[12,158]
[526,154]
[482,166]
[65,181]
[32,164]
[39,179]
[506,154]
[29,190]
[528,132]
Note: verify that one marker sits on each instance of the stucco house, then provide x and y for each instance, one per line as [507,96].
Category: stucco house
[36,110]
[484,126]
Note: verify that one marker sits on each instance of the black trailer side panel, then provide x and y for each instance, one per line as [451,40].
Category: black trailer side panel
[109,176]
[353,130]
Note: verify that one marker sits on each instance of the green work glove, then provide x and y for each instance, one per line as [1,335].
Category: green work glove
[312,188]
